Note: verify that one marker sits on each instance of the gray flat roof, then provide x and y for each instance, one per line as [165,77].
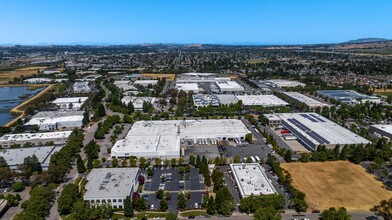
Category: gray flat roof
[318,129]
[110,182]
[345,95]
[16,156]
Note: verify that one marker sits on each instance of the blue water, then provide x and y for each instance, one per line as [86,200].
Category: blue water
[11,97]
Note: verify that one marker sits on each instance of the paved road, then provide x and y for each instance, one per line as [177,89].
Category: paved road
[12,211]
[71,177]
[108,111]
[312,216]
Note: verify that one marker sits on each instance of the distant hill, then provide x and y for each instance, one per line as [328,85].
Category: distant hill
[366,40]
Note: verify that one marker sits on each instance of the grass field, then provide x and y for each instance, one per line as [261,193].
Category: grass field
[10,73]
[337,184]
[170,76]
[384,92]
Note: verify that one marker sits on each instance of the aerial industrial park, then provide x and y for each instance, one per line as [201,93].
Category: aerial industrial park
[126,130]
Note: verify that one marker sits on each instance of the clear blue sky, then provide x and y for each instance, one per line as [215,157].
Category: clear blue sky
[193,21]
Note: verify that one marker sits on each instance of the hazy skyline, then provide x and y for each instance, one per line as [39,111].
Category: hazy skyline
[201,21]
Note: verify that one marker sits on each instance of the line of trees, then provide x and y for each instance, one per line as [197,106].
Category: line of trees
[263,206]
[107,124]
[298,202]
[60,162]
[38,205]
[379,152]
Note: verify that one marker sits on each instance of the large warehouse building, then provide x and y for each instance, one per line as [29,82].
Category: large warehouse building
[229,86]
[71,103]
[138,101]
[314,130]
[15,157]
[57,137]
[384,130]
[348,96]
[111,186]
[261,100]
[251,179]
[161,139]
[310,102]
[61,120]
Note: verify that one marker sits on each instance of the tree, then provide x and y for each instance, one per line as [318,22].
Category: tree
[333,214]
[267,213]
[3,162]
[101,110]
[115,162]
[159,194]
[140,204]
[287,156]
[31,164]
[173,162]
[80,164]
[68,197]
[198,162]
[128,210]
[132,162]
[131,107]
[163,205]
[142,162]
[237,159]
[180,161]
[248,137]
[224,201]
[192,160]
[181,205]
[17,187]
[211,206]
[299,205]
[384,209]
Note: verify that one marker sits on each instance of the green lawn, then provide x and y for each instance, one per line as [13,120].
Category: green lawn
[193,212]
[384,93]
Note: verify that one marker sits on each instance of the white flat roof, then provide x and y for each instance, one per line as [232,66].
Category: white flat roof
[384,127]
[146,82]
[124,85]
[70,100]
[37,121]
[285,83]
[252,179]
[161,137]
[229,85]
[186,87]
[33,136]
[305,99]
[319,130]
[16,156]
[110,182]
[262,100]
[137,101]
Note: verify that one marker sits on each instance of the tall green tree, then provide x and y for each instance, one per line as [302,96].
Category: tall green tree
[181,205]
[267,213]
[333,214]
[80,164]
[128,210]
[211,206]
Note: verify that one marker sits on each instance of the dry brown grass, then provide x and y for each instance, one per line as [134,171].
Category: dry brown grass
[28,71]
[337,184]
[169,76]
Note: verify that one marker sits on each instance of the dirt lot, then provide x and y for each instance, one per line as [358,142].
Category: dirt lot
[336,184]
[156,75]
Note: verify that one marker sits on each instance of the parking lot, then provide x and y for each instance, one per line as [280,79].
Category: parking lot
[171,180]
